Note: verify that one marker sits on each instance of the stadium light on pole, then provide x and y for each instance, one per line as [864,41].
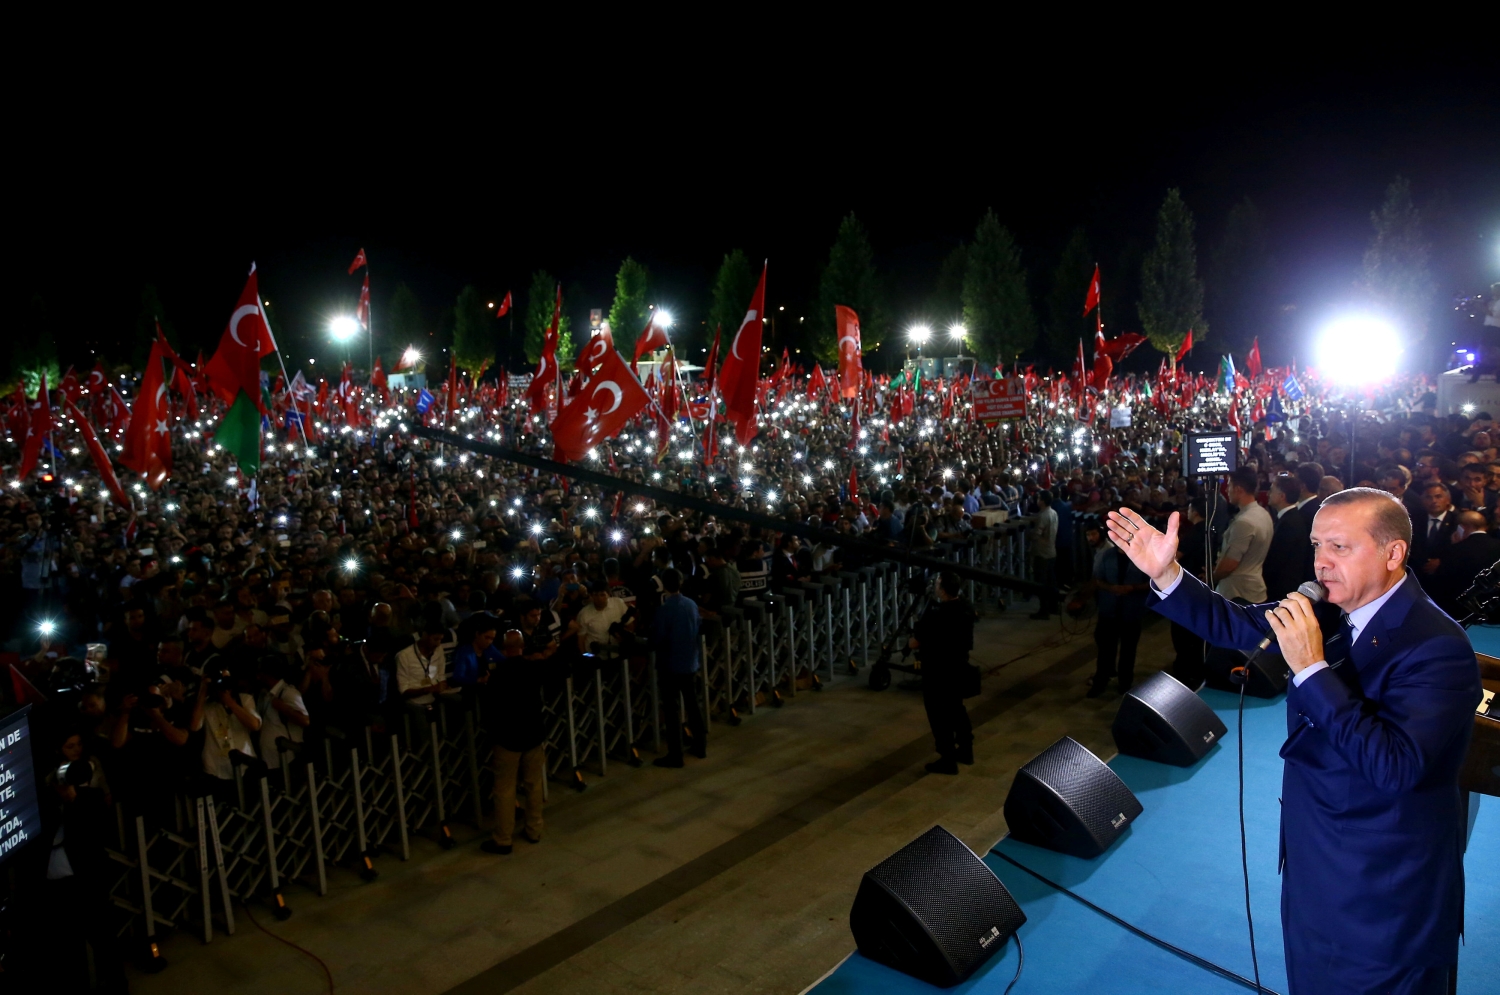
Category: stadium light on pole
[343,328]
[1358,349]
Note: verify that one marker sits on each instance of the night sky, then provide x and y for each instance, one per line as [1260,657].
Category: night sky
[443,191]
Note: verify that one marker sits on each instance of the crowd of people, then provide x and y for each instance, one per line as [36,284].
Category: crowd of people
[365,574]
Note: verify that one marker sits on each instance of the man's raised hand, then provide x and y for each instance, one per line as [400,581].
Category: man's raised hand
[1154,553]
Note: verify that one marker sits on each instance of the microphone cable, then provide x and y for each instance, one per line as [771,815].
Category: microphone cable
[1244,850]
[1191,958]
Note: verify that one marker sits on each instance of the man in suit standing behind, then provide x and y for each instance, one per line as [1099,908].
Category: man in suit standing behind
[1378,721]
[1472,550]
[1283,569]
[1432,534]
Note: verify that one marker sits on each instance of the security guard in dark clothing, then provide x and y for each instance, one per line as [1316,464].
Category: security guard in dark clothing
[945,635]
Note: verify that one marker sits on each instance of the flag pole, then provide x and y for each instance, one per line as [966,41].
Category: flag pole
[282,362]
[369,320]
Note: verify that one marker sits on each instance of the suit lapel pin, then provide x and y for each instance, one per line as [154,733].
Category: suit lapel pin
[1374,640]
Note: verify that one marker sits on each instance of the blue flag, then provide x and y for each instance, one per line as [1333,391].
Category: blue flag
[424,401]
[1292,387]
[1273,410]
[293,420]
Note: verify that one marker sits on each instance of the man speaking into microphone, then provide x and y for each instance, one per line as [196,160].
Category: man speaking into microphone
[1379,714]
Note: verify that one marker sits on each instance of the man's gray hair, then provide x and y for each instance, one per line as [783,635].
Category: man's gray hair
[1391,520]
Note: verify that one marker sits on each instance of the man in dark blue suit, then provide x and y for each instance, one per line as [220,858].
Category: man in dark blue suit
[1378,721]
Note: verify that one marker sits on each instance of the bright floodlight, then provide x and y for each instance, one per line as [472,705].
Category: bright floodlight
[663,318]
[957,331]
[919,334]
[1359,349]
[410,356]
[343,328]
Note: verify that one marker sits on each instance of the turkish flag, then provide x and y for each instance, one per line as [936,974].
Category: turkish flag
[97,379]
[547,372]
[101,460]
[601,344]
[377,375]
[36,430]
[1252,361]
[740,374]
[1091,299]
[1119,347]
[1186,347]
[183,384]
[70,386]
[851,369]
[359,260]
[668,389]
[854,429]
[362,311]
[853,482]
[601,409]
[710,368]
[504,307]
[236,363]
[116,413]
[148,446]
[816,383]
[652,338]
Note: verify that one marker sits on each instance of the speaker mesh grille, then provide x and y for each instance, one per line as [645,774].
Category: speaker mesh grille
[953,893]
[1087,785]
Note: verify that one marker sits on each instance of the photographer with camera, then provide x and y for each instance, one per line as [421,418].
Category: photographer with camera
[601,621]
[227,715]
[943,637]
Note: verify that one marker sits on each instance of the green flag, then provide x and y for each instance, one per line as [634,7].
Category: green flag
[899,381]
[917,382]
[239,433]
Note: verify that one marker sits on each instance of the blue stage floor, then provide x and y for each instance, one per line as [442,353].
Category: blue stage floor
[1176,873]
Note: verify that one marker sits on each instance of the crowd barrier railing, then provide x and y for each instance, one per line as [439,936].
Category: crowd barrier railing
[336,805]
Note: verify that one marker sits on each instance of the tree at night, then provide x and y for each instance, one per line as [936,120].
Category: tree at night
[540,297]
[997,308]
[631,308]
[849,279]
[1239,291]
[733,287]
[1171,293]
[1066,322]
[473,331]
[402,325]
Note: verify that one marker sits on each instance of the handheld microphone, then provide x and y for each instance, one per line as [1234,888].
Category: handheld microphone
[1312,591]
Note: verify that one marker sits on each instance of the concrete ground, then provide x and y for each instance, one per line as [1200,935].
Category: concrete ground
[733,875]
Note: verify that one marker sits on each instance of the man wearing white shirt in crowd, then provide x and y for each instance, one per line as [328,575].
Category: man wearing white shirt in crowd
[421,668]
[1246,542]
[228,719]
[285,716]
[597,617]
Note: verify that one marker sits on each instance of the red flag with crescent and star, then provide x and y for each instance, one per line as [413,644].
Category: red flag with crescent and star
[504,307]
[148,445]
[601,343]
[652,338]
[610,398]
[740,375]
[1252,361]
[1091,299]
[101,459]
[1186,347]
[235,366]
[362,310]
[851,368]
[359,260]
[546,368]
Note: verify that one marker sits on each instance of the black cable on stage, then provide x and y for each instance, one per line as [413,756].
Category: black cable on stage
[1244,855]
[1022,951]
[1191,958]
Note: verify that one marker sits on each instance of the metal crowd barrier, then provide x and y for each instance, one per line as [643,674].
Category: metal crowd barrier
[357,794]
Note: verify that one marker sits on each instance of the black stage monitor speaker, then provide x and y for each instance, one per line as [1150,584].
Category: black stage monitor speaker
[1162,720]
[1068,800]
[1269,673]
[933,910]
